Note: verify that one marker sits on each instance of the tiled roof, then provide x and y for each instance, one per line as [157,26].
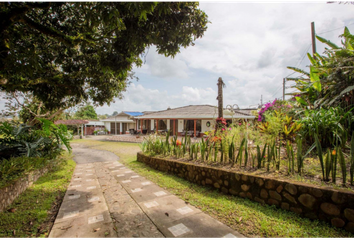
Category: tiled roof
[200,111]
[71,122]
[134,114]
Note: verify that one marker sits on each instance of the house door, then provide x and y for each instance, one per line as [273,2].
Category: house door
[113,128]
[125,127]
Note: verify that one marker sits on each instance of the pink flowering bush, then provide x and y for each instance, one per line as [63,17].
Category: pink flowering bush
[278,105]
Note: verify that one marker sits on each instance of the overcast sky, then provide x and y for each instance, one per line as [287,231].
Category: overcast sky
[249,45]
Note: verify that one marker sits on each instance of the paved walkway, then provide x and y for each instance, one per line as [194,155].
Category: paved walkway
[106,199]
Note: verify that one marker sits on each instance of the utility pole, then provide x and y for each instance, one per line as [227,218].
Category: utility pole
[283,89]
[220,84]
[261,100]
[313,39]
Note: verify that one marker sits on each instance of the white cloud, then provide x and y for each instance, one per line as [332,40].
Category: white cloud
[139,98]
[164,67]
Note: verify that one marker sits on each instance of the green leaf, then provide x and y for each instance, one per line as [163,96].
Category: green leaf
[312,60]
[299,70]
[315,78]
[329,43]
[300,100]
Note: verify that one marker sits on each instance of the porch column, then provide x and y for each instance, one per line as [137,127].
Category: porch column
[141,125]
[136,124]
[168,124]
[115,125]
[82,130]
[120,127]
[174,127]
[195,127]
[152,124]
[157,125]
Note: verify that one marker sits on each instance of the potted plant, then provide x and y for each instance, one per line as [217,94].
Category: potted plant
[95,132]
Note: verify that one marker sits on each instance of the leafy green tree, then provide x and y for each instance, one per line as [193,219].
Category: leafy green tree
[86,112]
[102,116]
[114,113]
[68,53]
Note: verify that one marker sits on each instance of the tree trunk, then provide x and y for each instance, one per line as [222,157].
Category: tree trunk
[220,97]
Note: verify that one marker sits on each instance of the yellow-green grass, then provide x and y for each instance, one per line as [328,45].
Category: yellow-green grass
[33,212]
[247,217]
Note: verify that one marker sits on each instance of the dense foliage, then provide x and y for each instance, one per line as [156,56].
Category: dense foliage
[86,112]
[23,140]
[66,53]
[330,81]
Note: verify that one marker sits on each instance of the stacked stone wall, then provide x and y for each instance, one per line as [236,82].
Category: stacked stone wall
[334,206]
[9,193]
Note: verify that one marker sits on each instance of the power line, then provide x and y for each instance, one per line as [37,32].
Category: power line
[300,60]
[335,29]
[277,90]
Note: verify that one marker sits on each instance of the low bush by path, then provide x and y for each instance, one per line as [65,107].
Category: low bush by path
[249,218]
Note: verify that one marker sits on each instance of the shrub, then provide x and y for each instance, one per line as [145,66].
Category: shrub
[30,141]
[330,125]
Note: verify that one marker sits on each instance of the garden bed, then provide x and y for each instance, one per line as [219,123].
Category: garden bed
[310,175]
[314,202]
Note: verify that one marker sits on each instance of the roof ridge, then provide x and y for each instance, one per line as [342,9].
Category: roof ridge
[180,108]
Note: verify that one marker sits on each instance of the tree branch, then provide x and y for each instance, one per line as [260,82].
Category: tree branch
[56,113]
[48,31]
[22,105]
[42,5]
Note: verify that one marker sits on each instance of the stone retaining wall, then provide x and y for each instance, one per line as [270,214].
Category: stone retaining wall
[334,206]
[10,193]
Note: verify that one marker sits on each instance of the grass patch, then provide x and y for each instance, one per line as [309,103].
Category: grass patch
[249,218]
[14,168]
[34,211]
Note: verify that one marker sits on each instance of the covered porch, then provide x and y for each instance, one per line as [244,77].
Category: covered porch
[176,127]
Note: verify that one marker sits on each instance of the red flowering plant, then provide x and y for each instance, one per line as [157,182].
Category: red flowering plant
[220,124]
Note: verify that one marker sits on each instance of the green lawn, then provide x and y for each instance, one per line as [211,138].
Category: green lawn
[249,218]
[32,213]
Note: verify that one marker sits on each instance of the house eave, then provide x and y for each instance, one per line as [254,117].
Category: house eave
[195,117]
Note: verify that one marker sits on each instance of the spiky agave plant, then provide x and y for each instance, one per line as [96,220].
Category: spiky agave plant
[196,150]
[239,154]
[342,165]
[334,164]
[260,155]
[290,153]
[351,171]
[203,148]
[231,151]
[246,152]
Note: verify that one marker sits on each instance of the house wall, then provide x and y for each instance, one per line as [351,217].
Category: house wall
[108,126]
[97,123]
[180,125]
[131,126]
[205,128]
